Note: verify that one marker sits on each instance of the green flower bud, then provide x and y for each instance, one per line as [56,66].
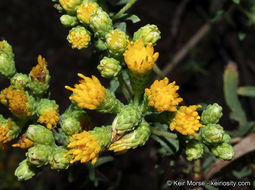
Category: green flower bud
[38,155]
[127,119]
[211,114]
[194,150]
[39,78]
[7,65]
[103,134]
[24,171]
[6,48]
[45,105]
[137,137]
[100,45]
[19,80]
[110,103]
[70,6]
[68,20]
[40,135]
[73,121]
[212,134]
[79,37]
[150,34]
[117,42]
[58,160]
[100,23]
[226,138]
[223,151]
[109,67]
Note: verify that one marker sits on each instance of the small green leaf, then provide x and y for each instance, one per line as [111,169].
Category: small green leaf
[122,2]
[246,91]
[103,160]
[114,84]
[242,173]
[241,36]
[236,1]
[218,14]
[133,18]
[122,26]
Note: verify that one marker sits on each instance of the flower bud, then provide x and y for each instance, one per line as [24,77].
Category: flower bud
[58,161]
[79,37]
[100,23]
[40,135]
[212,134]
[7,65]
[47,111]
[72,122]
[8,130]
[150,34]
[226,138]
[117,42]
[24,171]
[7,48]
[85,10]
[100,45]
[39,77]
[126,120]
[19,80]
[211,114]
[109,67]
[68,20]
[223,151]
[38,155]
[194,150]
[70,6]
[137,137]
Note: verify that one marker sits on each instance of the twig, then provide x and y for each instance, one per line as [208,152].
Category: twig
[124,9]
[163,133]
[125,87]
[243,147]
[158,71]
[186,48]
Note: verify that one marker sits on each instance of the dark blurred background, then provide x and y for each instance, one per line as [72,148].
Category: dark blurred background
[33,27]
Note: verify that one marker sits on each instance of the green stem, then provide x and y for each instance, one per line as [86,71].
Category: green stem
[125,87]
[247,13]
[163,133]
[124,9]
[158,71]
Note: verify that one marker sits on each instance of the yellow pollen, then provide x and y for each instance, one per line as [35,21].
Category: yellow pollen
[78,40]
[49,118]
[89,93]
[163,96]
[84,147]
[39,71]
[140,59]
[4,137]
[16,100]
[23,142]
[85,10]
[186,120]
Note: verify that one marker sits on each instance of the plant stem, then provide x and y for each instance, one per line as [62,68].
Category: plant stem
[125,87]
[163,133]
[158,71]
[247,13]
[124,9]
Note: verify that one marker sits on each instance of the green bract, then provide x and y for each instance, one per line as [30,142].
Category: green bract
[211,114]
[24,171]
[149,33]
[212,134]
[109,67]
[223,151]
[39,154]
[194,150]
[40,135]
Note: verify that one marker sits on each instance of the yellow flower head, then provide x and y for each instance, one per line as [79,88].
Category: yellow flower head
[140,59]
[69,5]
[85,10]
[163,96]
[186,120]
[89,93]
[23,142]
[84,147]
[39,71]
[79,37]
[16,99]
[116,40]
[4,137]
[49,118]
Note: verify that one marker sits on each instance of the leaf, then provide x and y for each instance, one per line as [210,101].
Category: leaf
[122,26]
[218,15]
[133,18]
[208,161]
[242,173]
[122,2]
[236,1]
[114,84]
[103,160]
[163,144]
[246,91]
[230,93]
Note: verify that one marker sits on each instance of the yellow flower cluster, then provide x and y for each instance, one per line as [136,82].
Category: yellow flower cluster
[78,39]
[140,59]
[186,120]
[4,137]
[50,118]
[23,142]
[85,10]
[89,93]
[163,96]
[39,71]
[84,147]
[16,100]
[69,4]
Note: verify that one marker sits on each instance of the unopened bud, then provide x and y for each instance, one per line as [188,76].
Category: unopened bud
[38,155]
[24,171]
[149,33]
[109,67]
[194,150]
[68,20]
[223,151]
[212,134]
[211,114]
